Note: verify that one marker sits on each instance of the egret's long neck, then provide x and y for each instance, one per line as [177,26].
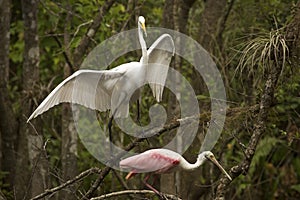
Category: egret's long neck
[188,166]
[143,45]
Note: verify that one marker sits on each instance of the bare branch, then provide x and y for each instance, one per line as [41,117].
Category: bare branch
[120,179]
[258,131]
[103,172]
[69,182]
[172,125]
[97,183]
[224,21]
[67,59]
[130,146]
[126,192]
[266,101]
[85,41]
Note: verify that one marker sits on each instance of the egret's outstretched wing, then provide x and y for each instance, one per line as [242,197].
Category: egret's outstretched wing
[89,88]
[159,57]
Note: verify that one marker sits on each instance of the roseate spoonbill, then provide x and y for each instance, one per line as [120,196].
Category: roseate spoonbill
[122,79]
[159,161]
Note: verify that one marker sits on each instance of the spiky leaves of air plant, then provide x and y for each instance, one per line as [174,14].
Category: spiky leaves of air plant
[263,52]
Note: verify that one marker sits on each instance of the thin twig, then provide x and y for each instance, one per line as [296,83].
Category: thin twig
[123,183]
[259,126]
[130,146]
[69,182]
[103,172]
[126,192]
[77,30]
[67,59]
[172,125]
[85,41]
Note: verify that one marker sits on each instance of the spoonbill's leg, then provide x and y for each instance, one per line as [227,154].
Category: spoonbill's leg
[150,186]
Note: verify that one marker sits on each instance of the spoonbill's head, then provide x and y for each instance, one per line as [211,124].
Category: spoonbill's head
[208,155]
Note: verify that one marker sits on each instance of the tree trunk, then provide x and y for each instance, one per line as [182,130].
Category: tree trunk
[69,134]
[293,36]
[168,21]
[176,13]
[68,150]
[184,10]
[82,48]
[209,24]
[167,181]
[31,173]
[208,32]
[8,123]
[267,99]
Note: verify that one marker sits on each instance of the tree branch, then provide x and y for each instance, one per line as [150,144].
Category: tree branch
[85,41]
[224,21]
[69,182]
[130,146]
[172,125]
[126,192]
[8,125]
[103,172]
[67,59]
[120,179]
[265,103]
[259,129]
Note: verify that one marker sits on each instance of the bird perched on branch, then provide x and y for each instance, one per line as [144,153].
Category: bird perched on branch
[159,161]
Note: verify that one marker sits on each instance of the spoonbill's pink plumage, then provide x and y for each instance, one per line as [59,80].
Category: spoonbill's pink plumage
[160,161]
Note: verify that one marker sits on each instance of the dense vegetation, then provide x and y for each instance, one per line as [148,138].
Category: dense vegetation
[255,45]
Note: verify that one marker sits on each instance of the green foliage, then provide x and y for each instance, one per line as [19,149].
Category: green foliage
[17,46]
[4,187]
[264,148]
[296,187]
[264,51]
[255,25]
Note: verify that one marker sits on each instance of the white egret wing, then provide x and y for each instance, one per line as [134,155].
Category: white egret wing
[159,57]
[89,88]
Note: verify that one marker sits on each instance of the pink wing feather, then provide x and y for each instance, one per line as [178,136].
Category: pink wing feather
[155,160]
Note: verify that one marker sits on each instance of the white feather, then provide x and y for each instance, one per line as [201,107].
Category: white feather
[96,89]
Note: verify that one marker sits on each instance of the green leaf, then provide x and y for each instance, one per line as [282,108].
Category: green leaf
[264,147]
[202,97]
[296,187]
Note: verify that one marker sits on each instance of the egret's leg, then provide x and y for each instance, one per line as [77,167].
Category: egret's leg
[138,111]
[109,125]
[138,114]
[138,119]
[110,133]
[122,97]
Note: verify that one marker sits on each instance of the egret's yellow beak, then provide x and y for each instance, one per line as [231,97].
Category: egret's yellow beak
[214,160]
[144,28]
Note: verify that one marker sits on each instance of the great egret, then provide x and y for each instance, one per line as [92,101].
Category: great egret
[159,161]
[80,87]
